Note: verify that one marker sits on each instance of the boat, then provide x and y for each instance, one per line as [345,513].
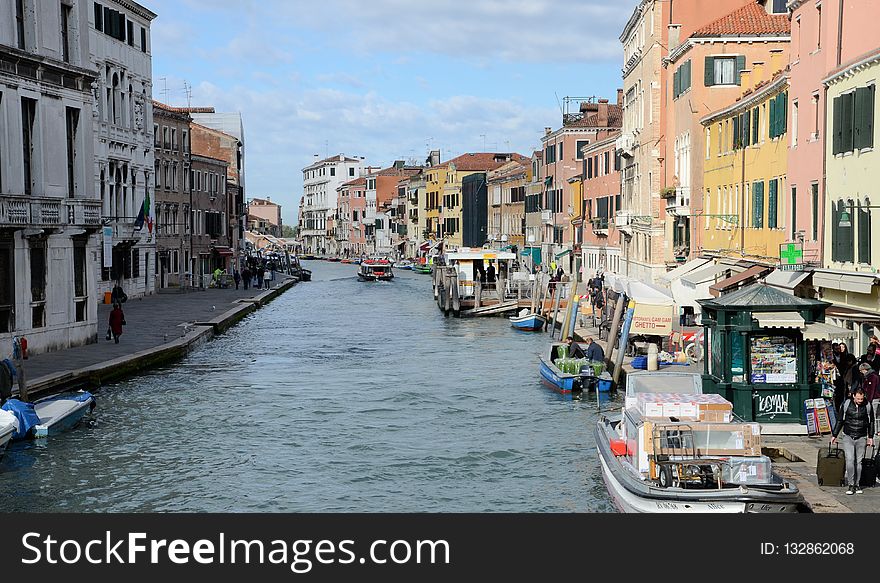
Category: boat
[528,322]
[421,268]
[404,264]
[349,261]
[49,416]
[308,256]
[305,275]
[589,375]
[686,463]
[8,427]
[334,259]
[375,270]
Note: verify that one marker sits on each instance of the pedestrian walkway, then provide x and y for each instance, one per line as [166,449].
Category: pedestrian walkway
[151,322]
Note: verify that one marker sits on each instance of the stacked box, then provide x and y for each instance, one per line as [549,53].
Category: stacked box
[685,407]
[747,470]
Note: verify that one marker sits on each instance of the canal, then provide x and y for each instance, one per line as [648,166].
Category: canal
[339,396]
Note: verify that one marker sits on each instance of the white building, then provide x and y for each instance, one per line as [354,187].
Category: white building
[320,183]
[119,48]
[49,214]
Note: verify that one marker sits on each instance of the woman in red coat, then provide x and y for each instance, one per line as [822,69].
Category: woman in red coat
[117,320]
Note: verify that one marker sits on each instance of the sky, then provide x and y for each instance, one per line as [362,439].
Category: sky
[383,79]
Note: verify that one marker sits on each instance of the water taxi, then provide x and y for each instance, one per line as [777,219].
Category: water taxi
[375,270]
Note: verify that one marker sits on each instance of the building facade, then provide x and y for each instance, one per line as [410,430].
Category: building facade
[321,179]
[507,204]
[268,210]
[119,49]
[211,240]
[599,237]
[171,143]
[50,212]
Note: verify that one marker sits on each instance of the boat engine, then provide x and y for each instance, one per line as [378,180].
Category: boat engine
[587,378]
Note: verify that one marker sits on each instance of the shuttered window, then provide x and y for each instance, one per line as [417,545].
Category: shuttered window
[771,203]
[846,122]
[737,133]
[863,125]
[756,127]
[758,205]
[747,128]
[723,70]
[864,235]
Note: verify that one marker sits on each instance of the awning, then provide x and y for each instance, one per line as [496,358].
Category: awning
[682,270]
[779,319]
[786,280]
[534,253]
[725,284]
[563,254]
[823,331]
[845,313]
[705,275]
[854,282]
[223,251]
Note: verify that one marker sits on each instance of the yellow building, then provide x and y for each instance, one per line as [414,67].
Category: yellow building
[850,277]
[744,174]
[435,181]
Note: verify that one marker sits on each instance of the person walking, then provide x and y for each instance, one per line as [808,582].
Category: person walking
[246,277]
[117,321]
[871,386]
[236,277]
[856,420]
[118,295]
[261,272]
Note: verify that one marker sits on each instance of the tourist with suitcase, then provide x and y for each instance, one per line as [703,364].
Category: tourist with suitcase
[856,421]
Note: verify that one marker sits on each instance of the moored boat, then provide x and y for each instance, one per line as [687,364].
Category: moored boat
[49,416]
[687,461]
[404,264]
[375,270]
[529,322]
[422,268]
[8,427]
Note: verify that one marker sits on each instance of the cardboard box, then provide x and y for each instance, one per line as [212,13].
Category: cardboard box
[711,439]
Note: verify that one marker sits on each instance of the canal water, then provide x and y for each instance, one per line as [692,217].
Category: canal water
[339,396]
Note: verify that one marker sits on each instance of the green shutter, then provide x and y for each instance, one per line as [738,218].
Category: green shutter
[758,205]
[837,126]
[864,235]
[747,128]
[756,129]
[736,134]
[836,237]
[849,244]
[771,123]
[864,118]
[676,81]
[783,107]
[709,72]
[771,205]
[846,122]
[740,65]
[687,75]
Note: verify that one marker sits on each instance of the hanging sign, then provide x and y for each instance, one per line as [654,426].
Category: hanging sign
[108,246]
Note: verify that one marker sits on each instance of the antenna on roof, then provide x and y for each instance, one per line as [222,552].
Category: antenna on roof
[187,88]
[561,110]
[164,91]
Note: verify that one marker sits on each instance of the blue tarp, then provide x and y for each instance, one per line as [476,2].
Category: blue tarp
[27,417]
[80,397]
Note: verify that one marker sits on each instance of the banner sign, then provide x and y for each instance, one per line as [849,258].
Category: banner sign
[108,246]
[651,319]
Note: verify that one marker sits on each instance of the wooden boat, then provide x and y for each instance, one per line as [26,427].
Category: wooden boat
[529,322]
[49,416]
[305,275]
[662,465]
[308,256]
[375,270]
[553,377]
[349,261]
[8,427]
[423,269]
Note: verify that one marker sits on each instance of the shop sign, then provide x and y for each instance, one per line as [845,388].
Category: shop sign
[651,319]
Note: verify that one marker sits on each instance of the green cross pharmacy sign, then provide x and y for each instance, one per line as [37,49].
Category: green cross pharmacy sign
[791,255]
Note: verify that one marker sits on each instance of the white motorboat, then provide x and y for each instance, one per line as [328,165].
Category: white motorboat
[8,427]
[49,416]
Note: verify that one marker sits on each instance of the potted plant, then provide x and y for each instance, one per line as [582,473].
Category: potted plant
[668,192]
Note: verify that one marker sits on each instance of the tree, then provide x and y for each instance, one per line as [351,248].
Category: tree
[288,232]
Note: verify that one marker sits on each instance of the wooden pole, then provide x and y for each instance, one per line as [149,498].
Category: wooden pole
[557,293]
[534,293]
[615,327]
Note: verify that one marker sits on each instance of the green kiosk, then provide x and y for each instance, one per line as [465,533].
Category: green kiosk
[764,350]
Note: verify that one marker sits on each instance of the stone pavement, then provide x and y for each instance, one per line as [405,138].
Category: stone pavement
[151,321]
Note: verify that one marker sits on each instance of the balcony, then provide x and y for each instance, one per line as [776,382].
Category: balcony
[600,226]
[678,203]
[83,213]
[547,217]
[622,219]
[17,211]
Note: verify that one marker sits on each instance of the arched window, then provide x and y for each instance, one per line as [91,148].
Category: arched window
[116,105]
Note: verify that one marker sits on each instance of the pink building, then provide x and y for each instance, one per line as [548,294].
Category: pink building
[820,43]
[599,237]
[355,193]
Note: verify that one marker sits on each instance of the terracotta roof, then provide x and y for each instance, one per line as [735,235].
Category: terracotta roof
[615,119]
[750,20]
[405,171]
[356,182]
[484,161]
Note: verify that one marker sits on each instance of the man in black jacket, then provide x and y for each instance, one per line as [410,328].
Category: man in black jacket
[856,419]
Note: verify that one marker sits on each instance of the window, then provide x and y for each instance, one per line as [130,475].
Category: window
[772,203]
[550,154]
[65,32]
[778,109]
[80,279]
[779,7]
[38,282]
[579,144]
[7,285]
[815,100]
[842,248]
[724,70]
[863,120]
[351,171]
[681,79]
[560,150]
[99,17]
[72,119]
[332,171]
[143,39]
[130,30]
[173,138]
[19,23]
[819,27]
[185,139]
[28,115]
[756,125]
[794,123]
[135,263]
[865,233]
[814,191]
[794,212]
[758,205]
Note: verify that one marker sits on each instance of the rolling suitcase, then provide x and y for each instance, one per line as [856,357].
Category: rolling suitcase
[831,467]
[869,469]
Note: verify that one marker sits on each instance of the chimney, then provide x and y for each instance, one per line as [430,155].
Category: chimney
[548,131]
[674,36]
[757,72]
[620,97]
[746,80]
[589,107]
[775,61]
[602,114]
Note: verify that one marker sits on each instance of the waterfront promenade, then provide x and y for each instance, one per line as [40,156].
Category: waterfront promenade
[159,329]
